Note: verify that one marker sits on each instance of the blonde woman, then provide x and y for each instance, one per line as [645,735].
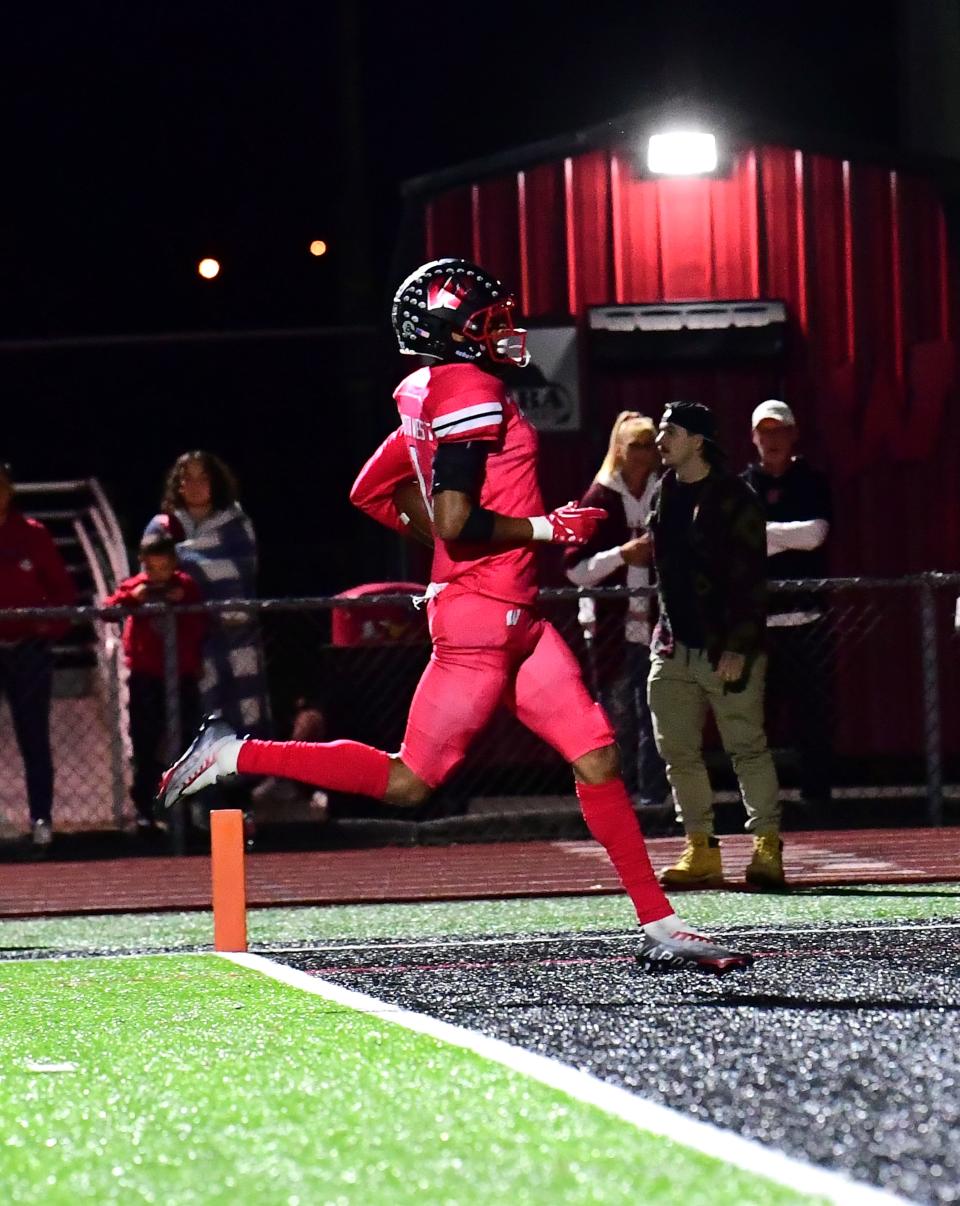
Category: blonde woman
[619,554]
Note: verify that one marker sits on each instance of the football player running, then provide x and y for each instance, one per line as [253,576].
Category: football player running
[474,457]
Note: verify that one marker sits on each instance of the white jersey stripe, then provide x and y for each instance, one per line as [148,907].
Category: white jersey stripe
[442,422]
[469,425]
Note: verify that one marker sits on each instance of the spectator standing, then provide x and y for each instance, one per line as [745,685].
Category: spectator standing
[619,554]
[709,551]
[32,574]
[796,501]
[217,547]
[160,581]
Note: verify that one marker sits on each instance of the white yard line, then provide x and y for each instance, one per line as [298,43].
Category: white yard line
[451,940]
[645,1115]
[442,941]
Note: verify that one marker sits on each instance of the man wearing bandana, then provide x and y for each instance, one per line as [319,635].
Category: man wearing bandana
[709,538]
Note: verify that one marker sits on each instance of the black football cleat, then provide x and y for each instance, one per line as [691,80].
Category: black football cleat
[684,951]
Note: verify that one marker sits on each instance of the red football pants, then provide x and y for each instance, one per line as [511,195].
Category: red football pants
[487,653]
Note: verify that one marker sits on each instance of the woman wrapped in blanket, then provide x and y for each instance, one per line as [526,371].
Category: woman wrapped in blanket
[217,546]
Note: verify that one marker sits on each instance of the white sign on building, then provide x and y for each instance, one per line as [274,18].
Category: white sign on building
[548,389]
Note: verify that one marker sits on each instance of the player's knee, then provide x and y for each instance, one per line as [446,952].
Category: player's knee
[404,788]
[599,766]
[414,794]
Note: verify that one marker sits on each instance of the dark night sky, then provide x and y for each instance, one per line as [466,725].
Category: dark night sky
[139,137]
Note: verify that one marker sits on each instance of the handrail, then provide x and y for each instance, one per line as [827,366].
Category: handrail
[99,582]
[60,487]
[99,522]
[71,514]
[96,509]
[116,550]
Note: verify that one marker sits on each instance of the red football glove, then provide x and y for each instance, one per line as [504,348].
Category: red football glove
[569,524]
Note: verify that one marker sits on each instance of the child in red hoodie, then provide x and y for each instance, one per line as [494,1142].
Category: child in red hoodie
[161,580]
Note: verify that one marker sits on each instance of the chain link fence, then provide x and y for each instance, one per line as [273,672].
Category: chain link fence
[862,704]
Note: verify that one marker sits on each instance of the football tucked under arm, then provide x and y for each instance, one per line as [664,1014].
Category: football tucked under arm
[413,513]
[386,473]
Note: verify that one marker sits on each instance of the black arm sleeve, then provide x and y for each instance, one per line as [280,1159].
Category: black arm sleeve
[460,467]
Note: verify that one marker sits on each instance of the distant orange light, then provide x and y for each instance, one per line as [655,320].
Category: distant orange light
[318,247]
[208,269]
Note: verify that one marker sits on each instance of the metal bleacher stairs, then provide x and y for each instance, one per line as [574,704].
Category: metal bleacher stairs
[88,725]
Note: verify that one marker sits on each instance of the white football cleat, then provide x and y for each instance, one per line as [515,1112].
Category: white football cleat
[198,767]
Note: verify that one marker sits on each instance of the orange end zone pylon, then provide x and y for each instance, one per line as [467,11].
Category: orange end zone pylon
[229,883]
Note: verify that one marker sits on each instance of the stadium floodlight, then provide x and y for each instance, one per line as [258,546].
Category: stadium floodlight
[208,268]
[682,153]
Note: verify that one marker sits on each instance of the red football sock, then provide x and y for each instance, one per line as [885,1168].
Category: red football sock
[611,820]
[336,765]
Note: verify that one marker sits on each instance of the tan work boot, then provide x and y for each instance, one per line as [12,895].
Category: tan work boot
[698,867]
[766,867]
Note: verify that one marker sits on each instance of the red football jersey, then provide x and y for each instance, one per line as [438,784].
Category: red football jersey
[461,402]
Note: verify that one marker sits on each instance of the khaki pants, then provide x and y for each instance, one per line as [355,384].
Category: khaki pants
[680,689]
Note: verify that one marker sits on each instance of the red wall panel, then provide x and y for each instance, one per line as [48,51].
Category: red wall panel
[635,235]
[449,223]
[857,251]
[878,310]
[686,242]
[495,219]
[685,238]
[542,268]
[735,249]
[860,255]
[923,262]
[783,229]
[829,267]
[587,212]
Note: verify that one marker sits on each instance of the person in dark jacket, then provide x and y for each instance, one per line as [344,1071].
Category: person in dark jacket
[709,542]
[160,581]
[796,502]
[617,631]
[32,574]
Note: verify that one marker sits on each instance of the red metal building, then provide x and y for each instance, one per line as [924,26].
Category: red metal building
[856,247]
[855,243]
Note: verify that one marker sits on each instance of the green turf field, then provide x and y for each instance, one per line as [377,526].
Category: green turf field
[185,1079]
[196,1081]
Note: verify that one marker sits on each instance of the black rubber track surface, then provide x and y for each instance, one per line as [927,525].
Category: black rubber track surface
[841,1046]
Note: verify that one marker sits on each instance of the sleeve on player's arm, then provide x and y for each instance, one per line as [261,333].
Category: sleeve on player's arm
[388,468]
[460,466]
[469,420]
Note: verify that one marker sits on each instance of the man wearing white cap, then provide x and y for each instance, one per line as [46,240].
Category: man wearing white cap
[796,501]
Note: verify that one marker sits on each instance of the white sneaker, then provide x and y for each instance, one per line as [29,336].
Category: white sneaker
[198,767]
